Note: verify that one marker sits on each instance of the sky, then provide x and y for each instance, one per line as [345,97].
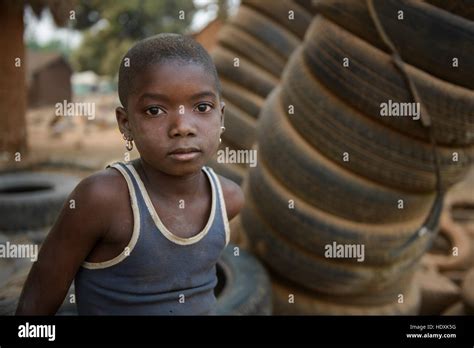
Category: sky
[44,30]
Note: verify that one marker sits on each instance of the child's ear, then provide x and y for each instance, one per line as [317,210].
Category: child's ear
[122,120]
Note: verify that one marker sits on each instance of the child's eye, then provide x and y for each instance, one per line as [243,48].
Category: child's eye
[204,107]
[154,111]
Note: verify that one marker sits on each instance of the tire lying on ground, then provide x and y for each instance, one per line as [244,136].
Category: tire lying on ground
[31,200]
[444,35]
[371,79]
[289,299]
[325,184]
[375,151]
[243,285]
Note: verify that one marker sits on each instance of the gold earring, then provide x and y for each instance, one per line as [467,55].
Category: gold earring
[128,142]
[222,131]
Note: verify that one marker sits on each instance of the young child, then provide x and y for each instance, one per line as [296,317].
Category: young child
[144,236]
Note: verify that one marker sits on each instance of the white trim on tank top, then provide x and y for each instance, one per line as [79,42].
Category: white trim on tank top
[159,224]
[136,227]
[223,206]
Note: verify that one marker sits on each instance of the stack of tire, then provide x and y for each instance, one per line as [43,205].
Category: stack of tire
[252,50]
[332,171]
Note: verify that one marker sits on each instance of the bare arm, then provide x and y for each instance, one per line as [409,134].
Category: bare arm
[68,244]
[233,197]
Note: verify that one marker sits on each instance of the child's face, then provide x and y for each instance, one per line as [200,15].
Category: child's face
[173,108]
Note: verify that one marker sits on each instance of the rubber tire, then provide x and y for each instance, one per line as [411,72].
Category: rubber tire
[248,75]
[35,209]
[372,79]
[463,8]
[250,102]
[310,269]
[323,183]
[442,37]
[247,290]
[278,38]
[244,44]
[467,292]
[307,303]
[279,11]
[308,5]
[240,127]
[376,151]
[311,229]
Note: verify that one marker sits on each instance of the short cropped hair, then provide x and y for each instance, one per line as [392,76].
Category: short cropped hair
[157,49]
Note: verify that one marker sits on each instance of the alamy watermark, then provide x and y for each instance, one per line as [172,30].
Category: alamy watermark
[70,109]
[228,155]
[19,251]
[345,251]
[391,108]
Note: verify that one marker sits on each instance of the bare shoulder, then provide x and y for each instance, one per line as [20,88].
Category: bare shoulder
[103,186]
[233,197]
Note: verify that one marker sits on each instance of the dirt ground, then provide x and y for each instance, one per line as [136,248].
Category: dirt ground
[78,142]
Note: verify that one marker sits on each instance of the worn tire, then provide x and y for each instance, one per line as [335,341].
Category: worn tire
[240,127]
[311,269]
[250,102]
[31,200]
[325,184]
[244,44]
[307,303]
[463,8]
[311,229]
[279,10]
[276,37]
[232,171]
[377,152]
[247,74]
[442,37]
[247,289]
[372,79]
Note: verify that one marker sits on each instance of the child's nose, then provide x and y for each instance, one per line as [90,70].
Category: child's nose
[182,124]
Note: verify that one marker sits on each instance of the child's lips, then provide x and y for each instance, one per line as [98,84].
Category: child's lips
[185,154]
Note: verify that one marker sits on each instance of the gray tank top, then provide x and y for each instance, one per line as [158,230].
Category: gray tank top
[158,273]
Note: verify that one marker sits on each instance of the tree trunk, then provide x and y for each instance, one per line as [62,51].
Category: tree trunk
[12,81]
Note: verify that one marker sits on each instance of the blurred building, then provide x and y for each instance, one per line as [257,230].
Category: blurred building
[48,77]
